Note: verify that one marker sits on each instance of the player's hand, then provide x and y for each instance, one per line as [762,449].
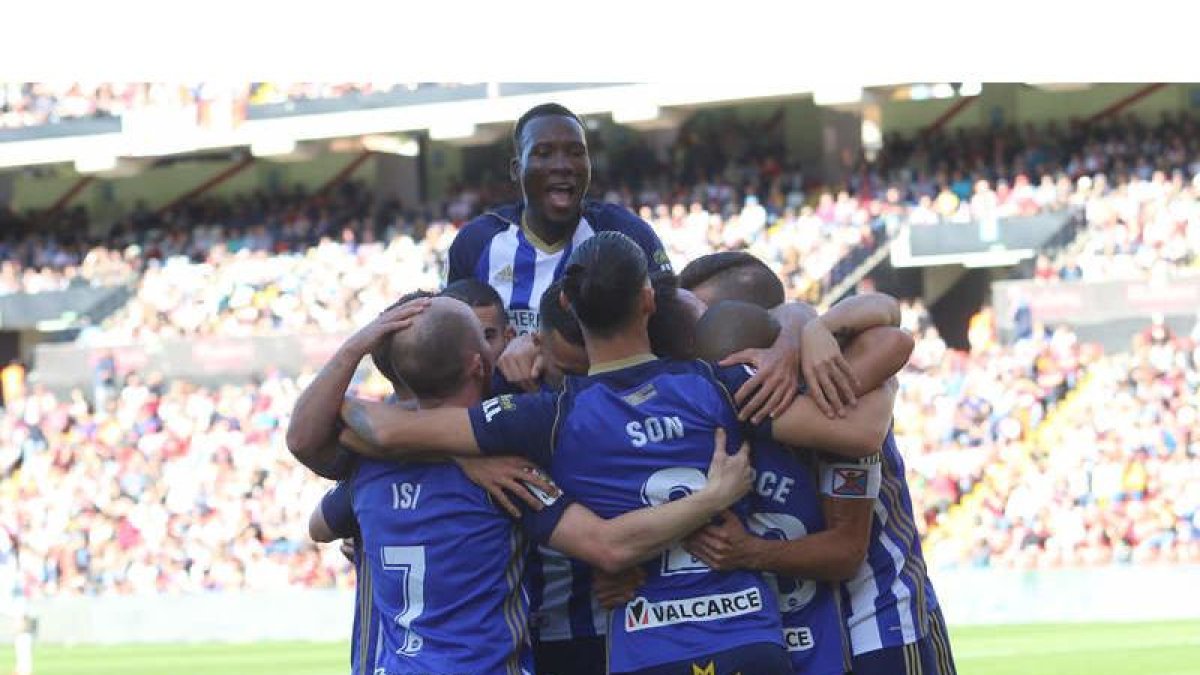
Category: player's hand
[722,546]
[729,476]
[504,476]
[347,549]
[831,382]
[388,322]
[521,363]
[773,387]
[617,589]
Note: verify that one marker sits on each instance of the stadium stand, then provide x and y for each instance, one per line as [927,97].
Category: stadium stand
[998,438]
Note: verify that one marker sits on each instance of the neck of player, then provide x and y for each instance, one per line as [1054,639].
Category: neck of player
[621,346]
[467,395]
[548,232]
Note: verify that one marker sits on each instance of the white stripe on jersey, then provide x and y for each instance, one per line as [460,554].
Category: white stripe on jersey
[554,616]
[864,631]
[901,592]
[502,270]
[502,254]
[863,622]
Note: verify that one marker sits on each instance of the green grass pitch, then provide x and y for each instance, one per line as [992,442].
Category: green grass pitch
[1162,648]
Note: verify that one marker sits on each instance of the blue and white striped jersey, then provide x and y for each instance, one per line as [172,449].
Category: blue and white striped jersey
[561,602]
[888,601]
[497,250]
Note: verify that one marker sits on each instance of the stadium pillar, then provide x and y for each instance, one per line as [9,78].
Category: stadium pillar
[1125,102]
[8,181]
[398,177]
[841,144]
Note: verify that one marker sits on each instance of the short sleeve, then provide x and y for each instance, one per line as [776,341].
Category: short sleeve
[468,247]
[520,425]
[540,525]
[640,231]
[337,509]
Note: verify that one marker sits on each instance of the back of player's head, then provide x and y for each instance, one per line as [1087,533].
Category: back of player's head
[475,293]
[554,317]
[672,326]
[604,281]
[733,275]
[731,326]
[434,355]
[380,354]
[542,110]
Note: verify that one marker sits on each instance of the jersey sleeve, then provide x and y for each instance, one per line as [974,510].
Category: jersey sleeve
[337,509]
[468,247]
[516,425]
[641,232]
[540,525]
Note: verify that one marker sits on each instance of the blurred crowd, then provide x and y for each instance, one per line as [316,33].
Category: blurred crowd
[151,486]
[145,485]
[1113,477]
[29,104]
[1137,185]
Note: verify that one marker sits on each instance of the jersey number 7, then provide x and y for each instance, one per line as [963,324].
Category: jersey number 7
[409,562]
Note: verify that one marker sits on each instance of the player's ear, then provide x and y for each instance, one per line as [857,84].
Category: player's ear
[514,169]
[648,304]
[479,368]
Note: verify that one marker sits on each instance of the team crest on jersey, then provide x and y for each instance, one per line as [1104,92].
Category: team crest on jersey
[849,482]
[641,395]
[662,259]
[504,276]
[708,669]
[641,614]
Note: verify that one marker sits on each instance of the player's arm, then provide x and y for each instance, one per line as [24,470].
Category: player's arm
[513,425]
[616,544]
[858,434]
[860,312]
[390,432]
[874,357]
[313,429]
[774,385]
[849,490]
[333,517]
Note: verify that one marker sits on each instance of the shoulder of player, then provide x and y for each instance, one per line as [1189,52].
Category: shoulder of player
[486,225]
[609,216]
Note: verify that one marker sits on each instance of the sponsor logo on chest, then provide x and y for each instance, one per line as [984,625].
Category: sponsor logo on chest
[641,614]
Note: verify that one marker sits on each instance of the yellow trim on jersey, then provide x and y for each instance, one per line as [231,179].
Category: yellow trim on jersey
[620,364]
[541,244]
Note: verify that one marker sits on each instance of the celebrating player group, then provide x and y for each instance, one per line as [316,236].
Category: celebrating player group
[593,465]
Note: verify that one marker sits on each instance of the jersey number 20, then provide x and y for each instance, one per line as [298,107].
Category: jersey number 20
[409,562]
[667,485]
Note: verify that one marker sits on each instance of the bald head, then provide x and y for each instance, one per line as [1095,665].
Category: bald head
[733,275]
[435,355]
[732,326]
